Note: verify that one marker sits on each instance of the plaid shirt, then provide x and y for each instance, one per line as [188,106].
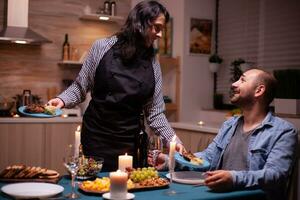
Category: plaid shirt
[153,109]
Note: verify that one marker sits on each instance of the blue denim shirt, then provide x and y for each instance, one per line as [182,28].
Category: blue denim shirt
[272,151]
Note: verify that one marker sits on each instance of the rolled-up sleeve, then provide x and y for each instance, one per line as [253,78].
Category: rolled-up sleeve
[155,109]
[84,82]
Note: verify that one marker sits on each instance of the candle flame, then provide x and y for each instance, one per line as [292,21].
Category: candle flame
[78,128]
[125,154]
[174,138]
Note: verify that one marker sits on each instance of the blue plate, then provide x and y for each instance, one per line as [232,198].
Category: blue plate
[204,167]
[21,109]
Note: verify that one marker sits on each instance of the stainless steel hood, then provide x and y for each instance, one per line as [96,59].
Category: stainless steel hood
[16,25]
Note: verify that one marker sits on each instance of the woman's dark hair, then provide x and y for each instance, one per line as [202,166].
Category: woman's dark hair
[134,35]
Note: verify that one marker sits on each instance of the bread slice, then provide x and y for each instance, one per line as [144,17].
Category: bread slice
[31,171]
[15,169]
[5,171]
[35,172]
[23,173]
[49,177]
[49,174]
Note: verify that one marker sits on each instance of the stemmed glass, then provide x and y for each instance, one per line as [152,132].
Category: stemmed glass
[155,147]
[171,192]
[71,163]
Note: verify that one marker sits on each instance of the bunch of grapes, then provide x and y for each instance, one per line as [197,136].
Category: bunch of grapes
[138,175]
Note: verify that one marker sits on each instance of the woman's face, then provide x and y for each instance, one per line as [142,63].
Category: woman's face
[155,30]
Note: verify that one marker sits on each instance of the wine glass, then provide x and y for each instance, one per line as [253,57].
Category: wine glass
[155,147]
[71,163]
[171,162]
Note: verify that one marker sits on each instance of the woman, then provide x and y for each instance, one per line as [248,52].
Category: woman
[125,82]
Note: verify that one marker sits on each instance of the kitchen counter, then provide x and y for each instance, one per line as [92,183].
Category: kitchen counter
[40,120]
[36,141]
[210,127]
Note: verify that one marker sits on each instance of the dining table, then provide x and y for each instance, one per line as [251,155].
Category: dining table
[182,192]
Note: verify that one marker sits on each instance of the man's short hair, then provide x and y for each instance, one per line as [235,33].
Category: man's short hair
[270,83]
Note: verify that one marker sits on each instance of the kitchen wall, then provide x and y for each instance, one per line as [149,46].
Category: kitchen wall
[35,67]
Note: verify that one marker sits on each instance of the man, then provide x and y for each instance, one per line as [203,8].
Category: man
[256,149]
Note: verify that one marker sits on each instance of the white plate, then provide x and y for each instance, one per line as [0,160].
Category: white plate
[32,190]
[128,196]
[188,177]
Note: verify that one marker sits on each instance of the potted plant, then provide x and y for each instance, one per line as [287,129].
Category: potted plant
[236,71]
[215,62]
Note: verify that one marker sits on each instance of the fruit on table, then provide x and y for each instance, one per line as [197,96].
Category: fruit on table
[138,175]
[102,184]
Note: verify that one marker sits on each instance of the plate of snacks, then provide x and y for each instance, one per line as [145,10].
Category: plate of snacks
[89,167]
[188,159]
[23,173]
[36,110]
[139,179]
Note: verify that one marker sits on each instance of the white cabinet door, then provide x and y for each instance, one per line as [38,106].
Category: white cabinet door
[22,144]
[57,138]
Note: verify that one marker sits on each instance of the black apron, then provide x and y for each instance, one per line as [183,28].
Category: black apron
[112,122]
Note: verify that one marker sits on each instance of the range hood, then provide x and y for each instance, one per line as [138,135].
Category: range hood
[16,28]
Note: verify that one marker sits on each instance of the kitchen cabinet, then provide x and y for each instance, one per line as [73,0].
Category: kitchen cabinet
[36,144]
[102,18]
[170,67]
[57,139]
[21,143]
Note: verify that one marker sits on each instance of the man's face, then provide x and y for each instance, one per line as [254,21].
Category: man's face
[243,90]
[155,30]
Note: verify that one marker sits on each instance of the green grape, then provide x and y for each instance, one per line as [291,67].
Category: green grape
[139,174]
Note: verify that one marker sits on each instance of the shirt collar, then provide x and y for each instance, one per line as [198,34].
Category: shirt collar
[268,120]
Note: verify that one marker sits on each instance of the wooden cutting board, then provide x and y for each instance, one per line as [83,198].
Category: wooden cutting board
[44,180]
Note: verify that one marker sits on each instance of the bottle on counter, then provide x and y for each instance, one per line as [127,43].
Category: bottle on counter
[113,8]
[66,48]
[27,98]
[107,8]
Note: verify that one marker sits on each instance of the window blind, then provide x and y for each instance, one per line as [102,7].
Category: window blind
[265,32]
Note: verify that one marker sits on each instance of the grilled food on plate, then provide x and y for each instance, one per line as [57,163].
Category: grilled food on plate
[189,156]
[36,108]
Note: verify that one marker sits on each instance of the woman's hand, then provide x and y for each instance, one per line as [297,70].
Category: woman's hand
[57,102]
[157,159]
[180,148]
[219,180]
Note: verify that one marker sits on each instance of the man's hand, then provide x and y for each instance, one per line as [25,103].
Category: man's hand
[219,180]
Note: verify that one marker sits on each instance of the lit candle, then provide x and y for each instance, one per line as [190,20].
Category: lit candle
[124,162]
[118,184]
[171,153]
[77,141]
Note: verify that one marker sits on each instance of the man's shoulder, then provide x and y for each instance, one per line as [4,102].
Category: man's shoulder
[279,122]
[232,120]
